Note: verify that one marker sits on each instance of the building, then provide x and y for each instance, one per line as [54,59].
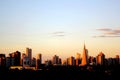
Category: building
[56,60]
[78,59]
[33,62]
[8,62]
[48,63]
[117,60]
[15,58]
[64,62]
[29,54]
[2,60]
[92,60]
[23,55]
[26,62]
[84,57]
[38,61]
[71,61]
[100,59]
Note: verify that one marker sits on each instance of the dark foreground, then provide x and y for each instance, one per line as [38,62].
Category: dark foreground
[63,73]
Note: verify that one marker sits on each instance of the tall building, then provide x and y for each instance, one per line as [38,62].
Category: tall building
[78,56]
[71,61]
[84,57]
[56,60]
[78,60]
[29,54]
[100,59]
[38,61]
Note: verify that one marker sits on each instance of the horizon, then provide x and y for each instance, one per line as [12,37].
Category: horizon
[60,27]
[51,56]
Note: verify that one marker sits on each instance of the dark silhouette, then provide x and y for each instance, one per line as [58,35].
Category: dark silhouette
[98,72]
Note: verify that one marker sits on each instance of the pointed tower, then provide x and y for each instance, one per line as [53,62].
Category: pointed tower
[84,56]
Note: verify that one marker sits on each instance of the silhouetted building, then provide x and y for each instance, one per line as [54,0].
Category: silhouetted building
[71,61]
[56,60]
[29,54]
[100,59]
[2,60]
[38,61]
[92,60]
[64,62]
[33,63]
[48,62]
[8,62]
[84,57]
[26,62]
[23,55]
[15,58]
[78,59]
[117,60]
[110,61]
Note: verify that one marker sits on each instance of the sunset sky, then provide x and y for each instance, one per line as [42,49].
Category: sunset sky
[60,27]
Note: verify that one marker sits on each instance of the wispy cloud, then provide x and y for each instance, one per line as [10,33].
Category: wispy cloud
[108,32]
[104,29]
[105,36]
[59,33]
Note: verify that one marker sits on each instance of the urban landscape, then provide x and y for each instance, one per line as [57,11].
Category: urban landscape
[59,39]
[24,65]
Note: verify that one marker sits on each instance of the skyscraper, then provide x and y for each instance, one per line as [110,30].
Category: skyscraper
[38,61]
[84,56]
[56,60]
[78,60]
[100,58]
[29,54]
[71,61]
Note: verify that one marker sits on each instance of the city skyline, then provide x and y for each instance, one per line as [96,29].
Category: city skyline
[84,55]
[60,27]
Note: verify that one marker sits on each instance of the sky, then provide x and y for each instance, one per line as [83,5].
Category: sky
[60,27]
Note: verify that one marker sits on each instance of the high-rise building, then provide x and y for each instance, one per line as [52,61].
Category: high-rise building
[100,59]
[71,61]
[84,57]
[29,54]
[56,60]
[78,60]
[38,61]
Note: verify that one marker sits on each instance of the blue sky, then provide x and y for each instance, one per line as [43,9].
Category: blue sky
[59,26]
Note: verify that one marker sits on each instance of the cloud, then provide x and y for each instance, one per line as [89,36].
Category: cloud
[105,36]
[104,29]
[108,32]
[59,33]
